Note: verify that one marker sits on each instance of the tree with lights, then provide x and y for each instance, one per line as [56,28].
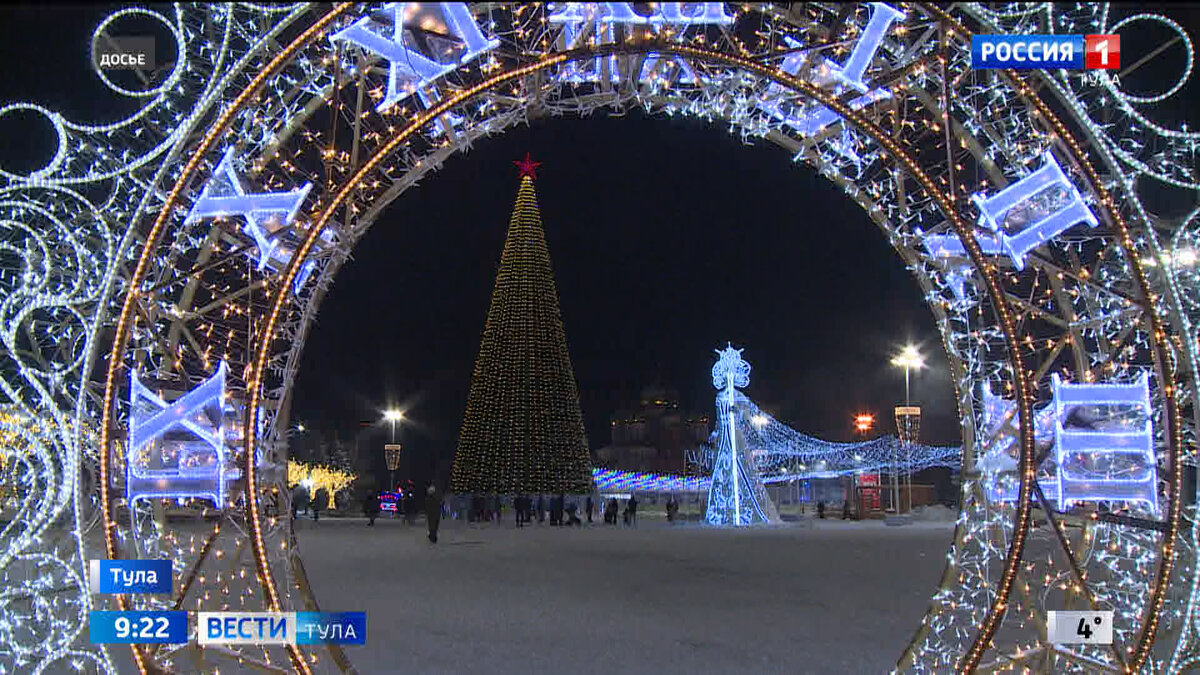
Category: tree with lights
[523,430]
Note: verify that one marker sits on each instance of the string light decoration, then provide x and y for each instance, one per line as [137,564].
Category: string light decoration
[103,272]
[523,431]
[319,477]
[782,453]
[736,495]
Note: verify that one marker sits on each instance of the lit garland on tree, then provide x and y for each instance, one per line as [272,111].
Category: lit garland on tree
[523,430]
[332,480]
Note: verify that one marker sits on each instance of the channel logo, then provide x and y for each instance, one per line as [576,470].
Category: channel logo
[1034,52]
[282,628]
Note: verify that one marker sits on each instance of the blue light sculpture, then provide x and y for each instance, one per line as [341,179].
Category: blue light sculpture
[736,495]
[949,248]
[409,70]
[1104,442]
[177,449]
[1033,210]
[848,75]
[265,212]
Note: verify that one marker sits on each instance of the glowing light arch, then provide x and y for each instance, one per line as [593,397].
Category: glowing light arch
[451,108]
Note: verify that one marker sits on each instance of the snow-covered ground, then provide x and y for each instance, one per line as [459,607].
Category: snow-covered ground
[835,597]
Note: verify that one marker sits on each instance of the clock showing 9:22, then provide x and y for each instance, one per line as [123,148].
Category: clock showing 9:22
[138,627]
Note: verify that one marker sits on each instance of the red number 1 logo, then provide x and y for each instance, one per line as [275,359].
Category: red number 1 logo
[1102,51]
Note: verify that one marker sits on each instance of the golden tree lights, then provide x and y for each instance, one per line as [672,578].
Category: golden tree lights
[523,431]
[318,477]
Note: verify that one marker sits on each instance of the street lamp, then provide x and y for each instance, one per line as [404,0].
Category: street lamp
[908,358]
[907,417]
[391,451]
[863,423]
[393,416]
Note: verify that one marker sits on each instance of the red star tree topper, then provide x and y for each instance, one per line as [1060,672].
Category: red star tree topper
[528,167]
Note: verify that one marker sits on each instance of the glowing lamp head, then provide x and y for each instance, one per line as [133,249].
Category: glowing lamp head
[864,422]
[909,357]
[393,415]
[759,421]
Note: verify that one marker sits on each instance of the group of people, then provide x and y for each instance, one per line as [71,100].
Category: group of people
[560,511]
[302,502]
[629,516]
[526,509]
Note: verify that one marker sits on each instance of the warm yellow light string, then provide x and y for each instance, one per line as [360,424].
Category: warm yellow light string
[1162,359]
[851,116]
[127,316]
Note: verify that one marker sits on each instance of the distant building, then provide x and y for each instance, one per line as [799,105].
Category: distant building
[653,435]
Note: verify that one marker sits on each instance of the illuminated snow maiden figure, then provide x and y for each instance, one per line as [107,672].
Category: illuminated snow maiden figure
[737,495]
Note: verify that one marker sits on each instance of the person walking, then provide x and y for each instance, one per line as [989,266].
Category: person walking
[672,508]
[846,510]
[589,507]
[519,510]
[433,511]
[302,501]
[319,503]
[610,511]
[371,507]
[498,506]
[633,503]
[541,511]
[820,509]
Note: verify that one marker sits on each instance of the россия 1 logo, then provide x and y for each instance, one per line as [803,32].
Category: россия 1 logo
[1032,52]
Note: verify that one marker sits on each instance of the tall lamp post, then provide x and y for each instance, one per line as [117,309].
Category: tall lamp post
[907,417]
[391,451]
[863,424]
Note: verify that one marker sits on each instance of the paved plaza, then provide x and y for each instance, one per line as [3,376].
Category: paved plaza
[836,597]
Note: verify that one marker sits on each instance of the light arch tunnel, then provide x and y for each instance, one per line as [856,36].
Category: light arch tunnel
[256,201]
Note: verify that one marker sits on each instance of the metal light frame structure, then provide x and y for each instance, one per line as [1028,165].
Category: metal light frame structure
[103,270]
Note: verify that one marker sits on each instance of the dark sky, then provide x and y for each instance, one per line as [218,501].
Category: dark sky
[669,237]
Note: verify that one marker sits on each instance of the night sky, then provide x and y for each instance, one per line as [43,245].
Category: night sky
[669,237]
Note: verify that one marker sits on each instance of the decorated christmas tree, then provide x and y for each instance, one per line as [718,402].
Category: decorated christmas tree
[523,431]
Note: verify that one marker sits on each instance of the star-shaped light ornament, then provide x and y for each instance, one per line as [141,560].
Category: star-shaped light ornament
[527,166]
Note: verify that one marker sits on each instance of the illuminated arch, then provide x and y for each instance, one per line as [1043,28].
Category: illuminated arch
[754,91]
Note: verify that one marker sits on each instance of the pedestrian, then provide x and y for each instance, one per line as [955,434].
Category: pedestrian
[633,503]
[846,510]
[371,507]
[499,508]
[589,506]
[541,511]
[820,509]
[295,501]
[518,509]
[433,511]
[610,511]
[302,501]
[572,519]
[672,508]
[320,501]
